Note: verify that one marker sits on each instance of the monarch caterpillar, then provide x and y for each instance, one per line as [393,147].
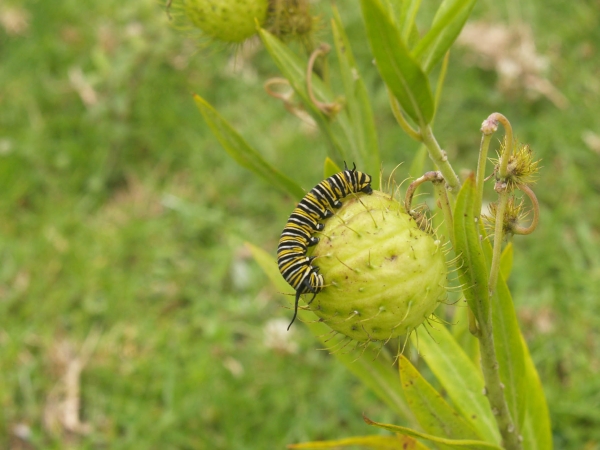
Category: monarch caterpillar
[297,236]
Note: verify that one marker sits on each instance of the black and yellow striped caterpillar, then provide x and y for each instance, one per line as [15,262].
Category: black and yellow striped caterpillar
[297,236]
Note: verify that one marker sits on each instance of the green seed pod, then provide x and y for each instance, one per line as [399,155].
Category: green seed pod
[226,20]
[383,275]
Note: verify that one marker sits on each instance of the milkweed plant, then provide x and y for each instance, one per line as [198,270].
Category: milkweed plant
[387,263]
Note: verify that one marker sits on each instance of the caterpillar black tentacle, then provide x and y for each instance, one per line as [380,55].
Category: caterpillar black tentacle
[297,236]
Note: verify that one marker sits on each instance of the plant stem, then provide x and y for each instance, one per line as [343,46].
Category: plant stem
[501,188]
[489,361]
[483,151]
[439,158]
[495,388]
[329,109]
[508,142]
[410,192]
[498,236]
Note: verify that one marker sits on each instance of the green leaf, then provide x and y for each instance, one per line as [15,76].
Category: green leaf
[293,68]
[357,103]
[453,443]
[449,20]
[472,270]
[330,167]
[371,366]
[507,340]
[434,414]
[241,151]
[506,261]
[399,70]
[460,332]
[374,442]
[509,351]
[461,379]
[406,22]
[536,430]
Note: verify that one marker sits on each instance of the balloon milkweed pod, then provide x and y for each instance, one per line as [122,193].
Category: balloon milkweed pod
[386,278]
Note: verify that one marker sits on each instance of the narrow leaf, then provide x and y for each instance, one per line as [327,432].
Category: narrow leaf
[293,68]
[357,103]
[242,152]
[509,351]
[536,430]
[472,270]
[373,442]
[371,367]
[406,22]
[461,379]
[454,443]
[449,20]
[330,167]
[399,70]
[434,414]
[506,261]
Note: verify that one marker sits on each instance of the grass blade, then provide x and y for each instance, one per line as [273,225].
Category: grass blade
[242,152]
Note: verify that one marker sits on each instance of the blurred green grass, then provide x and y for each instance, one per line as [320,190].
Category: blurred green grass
[123,225]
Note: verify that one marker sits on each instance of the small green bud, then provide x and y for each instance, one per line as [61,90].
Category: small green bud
[383,275]
[226,20]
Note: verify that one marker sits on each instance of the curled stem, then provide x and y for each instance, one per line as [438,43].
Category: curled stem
[483,152]
[278,81]
[410,192]
[326,108]
[489,126]
[536,212]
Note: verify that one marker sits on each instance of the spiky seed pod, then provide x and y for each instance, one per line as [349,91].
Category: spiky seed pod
[513,214]
[290,19]
[521,167]
[226,20]
[383,275]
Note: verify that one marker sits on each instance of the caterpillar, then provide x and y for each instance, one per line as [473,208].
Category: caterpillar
[297,236]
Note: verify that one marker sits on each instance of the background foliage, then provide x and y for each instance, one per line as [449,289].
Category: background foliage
[123,222]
